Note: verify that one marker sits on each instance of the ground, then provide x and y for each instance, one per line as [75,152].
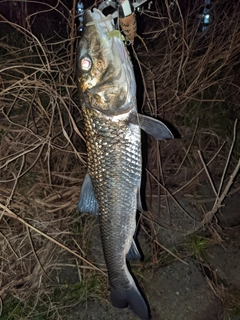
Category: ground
[203,286]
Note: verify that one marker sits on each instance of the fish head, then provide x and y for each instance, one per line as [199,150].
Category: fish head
[105,75]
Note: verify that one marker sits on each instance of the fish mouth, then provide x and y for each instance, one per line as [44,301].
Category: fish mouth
[98,20]
[105,26]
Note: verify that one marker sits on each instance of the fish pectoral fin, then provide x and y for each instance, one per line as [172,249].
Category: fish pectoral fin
[130,297]
[133,253]
[87,200]
[154,127]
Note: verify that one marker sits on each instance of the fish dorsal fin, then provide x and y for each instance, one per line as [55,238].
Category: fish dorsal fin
[139,202]
[87,201]
[154,127]
[133,253]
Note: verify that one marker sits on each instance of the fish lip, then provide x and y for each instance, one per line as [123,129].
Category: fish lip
[104,27]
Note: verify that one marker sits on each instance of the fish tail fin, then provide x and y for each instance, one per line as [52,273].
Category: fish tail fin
[133,298]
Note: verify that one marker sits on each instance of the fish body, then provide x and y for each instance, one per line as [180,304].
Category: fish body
[107,91]
[114,165]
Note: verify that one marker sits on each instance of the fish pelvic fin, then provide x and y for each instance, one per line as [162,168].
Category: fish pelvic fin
[133,298]
[87,201]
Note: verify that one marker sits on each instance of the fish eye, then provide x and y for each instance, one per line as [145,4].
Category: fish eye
[85,63]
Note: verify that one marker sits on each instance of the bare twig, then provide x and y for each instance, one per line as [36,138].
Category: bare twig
[11,214]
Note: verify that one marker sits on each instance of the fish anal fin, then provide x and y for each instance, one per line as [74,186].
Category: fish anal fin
[87,201]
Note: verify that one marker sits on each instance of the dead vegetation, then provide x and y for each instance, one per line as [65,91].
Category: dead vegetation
[191,79]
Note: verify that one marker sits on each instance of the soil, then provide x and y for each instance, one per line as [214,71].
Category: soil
[201,287]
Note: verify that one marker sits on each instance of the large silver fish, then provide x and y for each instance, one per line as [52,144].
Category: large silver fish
[107,92]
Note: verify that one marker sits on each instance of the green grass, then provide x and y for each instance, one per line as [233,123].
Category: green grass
[232,303]
[197,245]
[93,287]
[47,307]
[14,309]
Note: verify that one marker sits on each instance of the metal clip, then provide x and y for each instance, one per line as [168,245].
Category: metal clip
[125,11]
[106,4]
[80,15]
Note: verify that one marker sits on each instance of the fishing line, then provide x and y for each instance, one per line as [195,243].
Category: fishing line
[107,18]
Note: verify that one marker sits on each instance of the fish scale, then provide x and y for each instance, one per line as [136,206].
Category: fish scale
[114,164]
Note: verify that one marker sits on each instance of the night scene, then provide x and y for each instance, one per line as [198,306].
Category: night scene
[119,160]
